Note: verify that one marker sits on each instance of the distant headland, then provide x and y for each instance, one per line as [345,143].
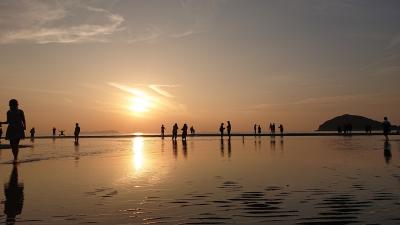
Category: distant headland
[358,123]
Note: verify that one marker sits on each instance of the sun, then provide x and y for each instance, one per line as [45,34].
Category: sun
[139,104]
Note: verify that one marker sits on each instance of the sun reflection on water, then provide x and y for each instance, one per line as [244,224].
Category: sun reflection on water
[138,157]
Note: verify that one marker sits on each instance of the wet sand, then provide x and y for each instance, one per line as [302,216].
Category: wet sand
[255,180]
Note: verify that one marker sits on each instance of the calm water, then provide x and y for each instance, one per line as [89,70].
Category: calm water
[303,180]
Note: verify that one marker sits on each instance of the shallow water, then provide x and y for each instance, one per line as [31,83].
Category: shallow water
[303,180]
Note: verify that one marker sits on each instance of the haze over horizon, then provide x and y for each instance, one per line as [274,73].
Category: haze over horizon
[132,65]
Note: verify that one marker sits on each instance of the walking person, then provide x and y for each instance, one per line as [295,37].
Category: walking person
[16,127]
[162,131]
[32,132]
[221,130]
[281,129]
[192,131]
[229,128]
[175,132]
[184,131]
[386,128]
[76,132]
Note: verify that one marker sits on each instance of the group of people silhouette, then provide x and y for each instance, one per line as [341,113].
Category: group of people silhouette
[175,129]
[17,125]
[272,129]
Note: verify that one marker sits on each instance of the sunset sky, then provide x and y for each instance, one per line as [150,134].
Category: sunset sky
[132,65]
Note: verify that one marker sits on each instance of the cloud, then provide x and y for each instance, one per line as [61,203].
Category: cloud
[157,88]
[53,22]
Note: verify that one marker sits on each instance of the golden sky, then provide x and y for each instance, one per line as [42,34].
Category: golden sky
[132,65]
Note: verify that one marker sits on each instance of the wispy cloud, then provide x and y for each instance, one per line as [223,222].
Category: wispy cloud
[158,89]
[52,22]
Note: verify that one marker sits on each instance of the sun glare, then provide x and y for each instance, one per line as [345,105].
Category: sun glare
[139,104]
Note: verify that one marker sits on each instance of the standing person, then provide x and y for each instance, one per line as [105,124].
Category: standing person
[273,128]
[54,131]
[221,130]
[255,129]
[184,131]
[229,128]
[175,132]
[281,129]
[386,128]
[192,131]
[76,132]
[259,130]
[162,131]
[16,127]
[32,132]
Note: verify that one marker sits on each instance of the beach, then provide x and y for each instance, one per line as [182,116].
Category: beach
[255,180]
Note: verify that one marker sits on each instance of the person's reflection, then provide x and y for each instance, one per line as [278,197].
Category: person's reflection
[222,148]
[281,144]
[387,153]
[76,148]
[272,143]
[229,148]
[14,193]
[175,148]
[184,148]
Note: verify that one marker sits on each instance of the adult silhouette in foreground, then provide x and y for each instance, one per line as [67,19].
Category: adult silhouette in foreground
[162,131]
[229,128]
[386,128]
[14,193]
[16,127]
[221,130]
[184,131]
[76,132]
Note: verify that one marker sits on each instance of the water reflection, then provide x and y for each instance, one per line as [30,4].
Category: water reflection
[175,148]
[229,148]
[14,193]
[272,143]
[184,148]
[387,153]
[222,147]
[76,149]
[138,158]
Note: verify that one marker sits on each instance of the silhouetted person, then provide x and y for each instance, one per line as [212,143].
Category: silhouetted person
[175,132]
[16,127]
[62,133]
[76,132]
[255,129]
[32,132]
[387,153]
[184,131]
[281,129]
[350,128]
[192,131]
[259,130]
[229,128]
[386,128]
[339,130]
[54,131]
[14,193]
[221,130]
[162,131]
[273,128]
